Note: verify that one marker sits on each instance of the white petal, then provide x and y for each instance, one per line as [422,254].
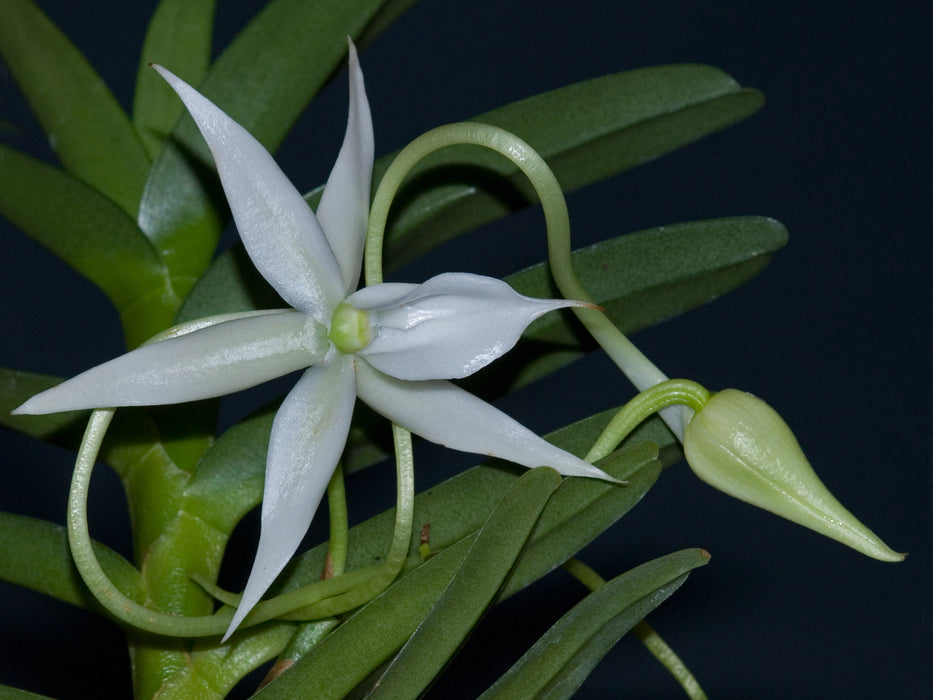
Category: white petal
[212,361]
[344,208]
[308,436]
[448,415]
[278,228]
[449,327]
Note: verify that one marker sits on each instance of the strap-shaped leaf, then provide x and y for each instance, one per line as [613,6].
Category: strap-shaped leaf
[64,429]
[563,657]
[472,589]
[35,554]
[640,279]
[179,38]
[92,235]
[132,431]
[87,127]
[586,132]
[378,629]
[263,80]
[390,11]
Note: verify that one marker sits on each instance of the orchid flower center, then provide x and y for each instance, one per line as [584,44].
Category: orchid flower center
[349,329]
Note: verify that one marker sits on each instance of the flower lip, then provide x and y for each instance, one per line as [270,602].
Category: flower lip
[447,328]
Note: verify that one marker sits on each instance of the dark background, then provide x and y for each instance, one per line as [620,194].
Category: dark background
[834,334]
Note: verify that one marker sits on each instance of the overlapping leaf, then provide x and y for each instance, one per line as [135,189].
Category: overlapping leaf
[456,509]
[263,80]
[86,126]
[560,661]
[93,235]
[179,38]
[35,554]
[586,132]
[471,590]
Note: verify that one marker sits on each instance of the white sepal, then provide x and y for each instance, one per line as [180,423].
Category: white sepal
[446,414]
[449,327]
[213,361]
[281,234]
[308,436]
[344,208]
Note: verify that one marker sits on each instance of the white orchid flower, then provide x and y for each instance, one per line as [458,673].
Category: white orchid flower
[390,344]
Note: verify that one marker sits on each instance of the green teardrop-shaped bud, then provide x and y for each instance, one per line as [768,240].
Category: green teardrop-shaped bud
[740,445]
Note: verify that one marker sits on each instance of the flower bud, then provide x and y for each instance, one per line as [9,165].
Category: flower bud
[741,446]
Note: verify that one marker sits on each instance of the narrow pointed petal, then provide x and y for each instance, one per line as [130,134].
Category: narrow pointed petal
[344,208]
[448,415]
[308,437]
[449,327]
[278,228]
[212,361]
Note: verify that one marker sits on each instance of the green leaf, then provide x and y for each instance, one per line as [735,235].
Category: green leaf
[390,11]
[472,589]
[35,554]
[587,132]
[92,235]
[131,433]
[179,38]
[263,80]
[640,280]
[563,657]
[63,429]
[86,126]
[9,693]
[455,510]
[227,482]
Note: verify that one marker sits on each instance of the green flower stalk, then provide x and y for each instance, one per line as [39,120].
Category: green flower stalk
[741,446]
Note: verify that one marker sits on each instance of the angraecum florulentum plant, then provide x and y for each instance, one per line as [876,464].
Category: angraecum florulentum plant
[379,609]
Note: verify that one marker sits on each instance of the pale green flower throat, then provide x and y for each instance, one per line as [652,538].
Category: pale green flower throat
[349,329]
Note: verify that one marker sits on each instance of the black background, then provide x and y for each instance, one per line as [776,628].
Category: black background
[834,334]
